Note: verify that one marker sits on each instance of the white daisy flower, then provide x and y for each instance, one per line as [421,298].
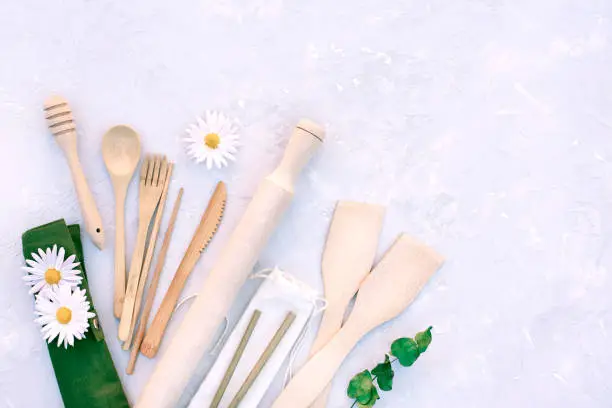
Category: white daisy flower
[48,270]
[63,313]
[213,141]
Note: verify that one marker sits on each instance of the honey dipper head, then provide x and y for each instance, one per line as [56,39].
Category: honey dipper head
[59,116]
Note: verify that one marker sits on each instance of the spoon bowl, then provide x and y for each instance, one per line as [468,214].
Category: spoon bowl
[121,150]
[121,153]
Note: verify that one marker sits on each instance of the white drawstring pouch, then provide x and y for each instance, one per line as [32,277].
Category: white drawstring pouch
[278,295]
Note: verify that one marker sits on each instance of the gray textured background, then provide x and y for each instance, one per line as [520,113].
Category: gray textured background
[483,125]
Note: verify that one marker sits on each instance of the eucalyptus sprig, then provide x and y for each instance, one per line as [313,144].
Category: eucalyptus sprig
[405,350]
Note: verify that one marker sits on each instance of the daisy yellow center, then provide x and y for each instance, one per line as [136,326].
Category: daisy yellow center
[212,140]
[53,276]
[63,315]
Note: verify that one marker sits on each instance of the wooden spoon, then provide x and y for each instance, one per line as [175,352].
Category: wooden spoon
[121,153]
[349,253]
[386,292]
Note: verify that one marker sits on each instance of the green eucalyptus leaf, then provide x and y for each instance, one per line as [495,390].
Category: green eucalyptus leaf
[423,339]
[360,387]
[384,375]
[406,350]
[373,398]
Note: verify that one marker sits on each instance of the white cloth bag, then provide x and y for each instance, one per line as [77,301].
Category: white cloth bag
[278,295]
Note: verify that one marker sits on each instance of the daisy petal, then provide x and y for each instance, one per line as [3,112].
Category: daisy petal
[60,258]
[70,259]
[33,271]
[36,288]
[37,258]
[32,263]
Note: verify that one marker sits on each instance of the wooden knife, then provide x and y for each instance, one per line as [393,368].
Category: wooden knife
[201,238]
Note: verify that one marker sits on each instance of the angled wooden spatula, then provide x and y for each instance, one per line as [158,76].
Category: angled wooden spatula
[393,284]
[349,252]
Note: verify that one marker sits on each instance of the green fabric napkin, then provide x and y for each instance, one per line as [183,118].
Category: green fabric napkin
[85,373]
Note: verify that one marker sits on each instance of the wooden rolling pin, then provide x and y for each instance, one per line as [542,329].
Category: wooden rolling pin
[232,268]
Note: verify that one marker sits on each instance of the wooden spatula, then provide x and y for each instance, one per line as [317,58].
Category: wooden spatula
[385,293]
[347,259]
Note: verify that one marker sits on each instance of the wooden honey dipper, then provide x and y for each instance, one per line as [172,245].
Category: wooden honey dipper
[61,124]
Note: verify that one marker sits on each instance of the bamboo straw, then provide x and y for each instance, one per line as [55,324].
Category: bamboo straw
[265,356]
[235,359]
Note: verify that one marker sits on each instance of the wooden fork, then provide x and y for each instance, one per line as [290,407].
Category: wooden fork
[152,179]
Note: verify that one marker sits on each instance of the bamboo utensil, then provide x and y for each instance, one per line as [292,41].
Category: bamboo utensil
[149,254]
[203,235]
[386,292]
[121,153]
[265,356]
[235,359]
[349,253]
[161,258]
[152,179]
[61,124]
[231,269]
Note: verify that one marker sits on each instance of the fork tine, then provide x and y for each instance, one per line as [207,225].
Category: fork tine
[163,172]
[155,176]
[158,163]
[151,172]
[144,170]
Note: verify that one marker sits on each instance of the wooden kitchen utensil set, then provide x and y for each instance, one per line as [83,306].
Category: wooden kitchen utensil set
[121,151]
[382,292]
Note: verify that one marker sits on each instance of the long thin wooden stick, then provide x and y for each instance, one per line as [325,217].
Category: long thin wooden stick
[235,359]
[146,311]
[149,256]
[265,356]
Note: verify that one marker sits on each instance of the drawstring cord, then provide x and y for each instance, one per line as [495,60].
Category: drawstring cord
[219,342]
[319,305]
